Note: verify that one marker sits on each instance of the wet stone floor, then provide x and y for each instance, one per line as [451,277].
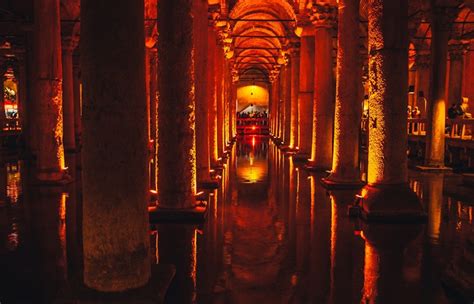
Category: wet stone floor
[273,235]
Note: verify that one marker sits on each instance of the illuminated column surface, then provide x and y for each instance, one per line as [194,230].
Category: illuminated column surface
[287,100]
[176,107]
[455,74]
[202,100]
[345,163]
[295,70]
[435,138]
[212,93]
[323,104]
[281,104]
[219,70]
[387,195]
[76,73]
[48,92]
[69,43]
[305,97]
[115,140]
[422,63]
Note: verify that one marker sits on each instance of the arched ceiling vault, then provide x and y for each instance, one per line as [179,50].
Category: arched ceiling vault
[261,29]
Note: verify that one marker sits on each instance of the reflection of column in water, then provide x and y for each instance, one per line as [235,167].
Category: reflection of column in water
[3,184]
[434,191]
[177,245]
[346,251]
[303,225]
[291,202]
[73,230]
[320,241]
[384,258]
[48,214]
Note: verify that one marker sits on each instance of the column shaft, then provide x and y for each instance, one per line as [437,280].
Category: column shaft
[387,195]
[388,46]
[305,98]
[77,102]
[68,100]
[202,100]
[295,70]
[220,99]
[153,100]
[212,94]
[345,162]
[48,91]
[323,104]
[114,156]
[176,107]
[455,75]
[287,100]
[435,138]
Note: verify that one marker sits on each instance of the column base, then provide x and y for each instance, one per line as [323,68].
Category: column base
[331,184]
[208,184]
[53,178]
[434,169]
[391,203]
[312,166]
[152,293]
[169,215]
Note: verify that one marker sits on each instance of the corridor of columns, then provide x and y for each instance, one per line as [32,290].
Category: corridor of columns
[236,151]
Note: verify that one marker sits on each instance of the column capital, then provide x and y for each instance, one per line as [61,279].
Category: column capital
[235,75]
[323,15]
[423,60]
[294,50]
[69,42]
[456,51]
[70,35]
[445,15]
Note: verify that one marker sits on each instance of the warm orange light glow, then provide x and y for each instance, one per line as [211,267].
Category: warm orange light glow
[371,273]
[252,94]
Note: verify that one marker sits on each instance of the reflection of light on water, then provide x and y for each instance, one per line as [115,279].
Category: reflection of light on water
[13,182]
[194,264]
[12,238]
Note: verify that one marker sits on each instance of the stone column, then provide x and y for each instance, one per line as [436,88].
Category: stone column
[76,74]
[281,104]
[422,81]
[287,101]
[69,43]
[153,106]
[202,100]
[275,96]
[345,163]
[48,92]
[115,157]
[435,139]
[323,19]
[387,195]
[219,70]
[3,69]
[176,108]
[456,53]
[295,77]
[212,93]
[305,97]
